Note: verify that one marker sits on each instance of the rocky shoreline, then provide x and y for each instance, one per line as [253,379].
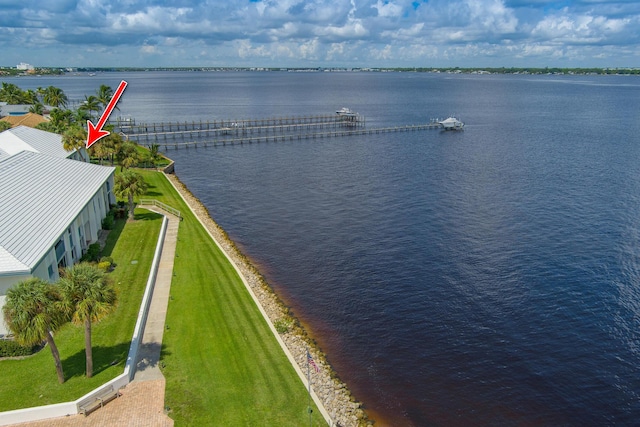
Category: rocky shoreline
[336,398]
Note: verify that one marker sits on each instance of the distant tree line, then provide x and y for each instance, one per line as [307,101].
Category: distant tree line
[526,70]
[493,70]
[13,71]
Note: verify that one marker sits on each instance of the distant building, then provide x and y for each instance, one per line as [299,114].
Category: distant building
[24,66]
[7,110]
[13,109]
[51,207]
[30,119]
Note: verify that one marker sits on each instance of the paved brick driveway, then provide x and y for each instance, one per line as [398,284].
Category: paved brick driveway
[141,405]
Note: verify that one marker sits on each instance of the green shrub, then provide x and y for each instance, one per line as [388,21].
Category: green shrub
[92,254]
[10,348]
[104,266]
[282,325]
[108,221]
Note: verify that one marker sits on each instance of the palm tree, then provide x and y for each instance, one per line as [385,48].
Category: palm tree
[111,143]
[90,104]
[81,116]
[55,97]
[11,94]
[31,97]
[129,184]
[105,93]
[74,138]
[37,108]
[89,297]
[128,154]
[154,155]
[61,120]
[33,311]
[98,150]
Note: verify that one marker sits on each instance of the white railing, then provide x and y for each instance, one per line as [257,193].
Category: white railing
[161,205]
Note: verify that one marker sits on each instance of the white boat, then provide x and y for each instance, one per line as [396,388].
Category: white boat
[451,124]
[346,112]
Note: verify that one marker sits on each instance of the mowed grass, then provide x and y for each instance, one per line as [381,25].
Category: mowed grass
[223,366]
[32,381]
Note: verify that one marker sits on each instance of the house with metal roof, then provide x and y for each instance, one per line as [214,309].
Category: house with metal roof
[7,109]
[51,209]
[22,138]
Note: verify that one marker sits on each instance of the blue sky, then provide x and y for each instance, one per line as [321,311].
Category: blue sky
[311,33]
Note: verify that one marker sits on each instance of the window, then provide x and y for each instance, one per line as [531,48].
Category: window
[60,249]
[83,242]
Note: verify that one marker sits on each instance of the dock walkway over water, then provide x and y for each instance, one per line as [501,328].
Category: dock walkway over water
[176,135]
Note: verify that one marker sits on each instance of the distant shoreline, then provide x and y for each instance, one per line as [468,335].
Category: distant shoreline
[13,72]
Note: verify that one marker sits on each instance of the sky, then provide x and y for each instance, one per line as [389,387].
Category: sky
[320,33]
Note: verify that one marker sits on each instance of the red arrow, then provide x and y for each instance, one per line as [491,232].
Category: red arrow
[94,133]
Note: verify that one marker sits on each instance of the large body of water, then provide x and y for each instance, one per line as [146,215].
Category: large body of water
[484,277]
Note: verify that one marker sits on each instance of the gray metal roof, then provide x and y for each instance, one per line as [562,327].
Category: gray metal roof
[10,264]
[3,154]
[13,109]
[40,196]
[21,138]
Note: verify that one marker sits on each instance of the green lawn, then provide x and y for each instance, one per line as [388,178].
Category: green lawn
[32,381]
[222,364]
[144,151]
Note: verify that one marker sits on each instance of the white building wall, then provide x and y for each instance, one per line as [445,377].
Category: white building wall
[82,232]
[42,269]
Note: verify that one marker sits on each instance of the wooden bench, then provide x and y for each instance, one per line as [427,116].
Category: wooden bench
[99,400]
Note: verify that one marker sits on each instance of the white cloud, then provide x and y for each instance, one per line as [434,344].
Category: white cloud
[387,9]
[410,33]
[148,50]
[354,32]
[580,29]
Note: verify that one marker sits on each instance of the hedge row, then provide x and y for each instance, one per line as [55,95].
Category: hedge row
[10,348]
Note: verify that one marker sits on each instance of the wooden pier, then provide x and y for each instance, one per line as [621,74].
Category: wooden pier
[203,134]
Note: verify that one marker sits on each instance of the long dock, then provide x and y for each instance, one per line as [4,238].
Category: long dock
[225,132]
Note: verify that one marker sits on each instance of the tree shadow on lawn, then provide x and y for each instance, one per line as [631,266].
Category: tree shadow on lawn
[113,237]
[150,192]
[103,358]
[146,216]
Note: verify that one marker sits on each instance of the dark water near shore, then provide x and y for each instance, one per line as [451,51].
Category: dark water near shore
[488,277]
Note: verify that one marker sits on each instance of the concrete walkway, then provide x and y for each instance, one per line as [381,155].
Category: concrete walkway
[149,354]
[142,401]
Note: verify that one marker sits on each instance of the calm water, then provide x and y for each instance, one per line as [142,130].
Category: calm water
[489,277]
